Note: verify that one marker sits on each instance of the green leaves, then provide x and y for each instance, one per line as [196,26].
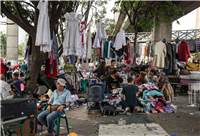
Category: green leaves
[144,13]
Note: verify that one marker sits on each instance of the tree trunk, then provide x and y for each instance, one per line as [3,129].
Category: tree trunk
[135,43]
[37,60]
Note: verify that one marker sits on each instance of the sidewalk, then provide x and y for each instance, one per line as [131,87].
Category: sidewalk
[181,123]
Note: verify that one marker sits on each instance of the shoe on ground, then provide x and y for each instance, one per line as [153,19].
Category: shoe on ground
[46,133]
[126,110]
[135,110]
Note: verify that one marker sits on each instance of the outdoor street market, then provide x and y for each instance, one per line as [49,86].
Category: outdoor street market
[81,75]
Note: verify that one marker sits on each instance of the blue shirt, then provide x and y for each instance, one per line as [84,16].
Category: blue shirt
[62,98]
[23,67]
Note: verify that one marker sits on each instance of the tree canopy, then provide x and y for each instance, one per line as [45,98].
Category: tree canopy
[148,14]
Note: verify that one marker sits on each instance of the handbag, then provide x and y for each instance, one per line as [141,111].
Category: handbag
[168,90]
[54,108]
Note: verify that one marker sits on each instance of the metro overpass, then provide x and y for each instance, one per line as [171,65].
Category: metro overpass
[186,6]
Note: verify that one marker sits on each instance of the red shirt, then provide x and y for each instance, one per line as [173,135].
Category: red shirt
[183,51]
[128,51]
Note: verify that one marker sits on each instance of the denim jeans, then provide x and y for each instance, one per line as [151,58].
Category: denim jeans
[103,89]
[80,73]
[91,72]
[47,119]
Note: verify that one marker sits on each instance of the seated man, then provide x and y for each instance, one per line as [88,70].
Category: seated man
[130,93]
[15,84]
[5,90]
[60,98]
[113,81]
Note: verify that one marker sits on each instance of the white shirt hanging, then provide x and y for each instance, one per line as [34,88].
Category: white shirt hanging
[104,35]
[120,40]
[98,36]
[83,41]
[72,42]
[89,43]
[43,37]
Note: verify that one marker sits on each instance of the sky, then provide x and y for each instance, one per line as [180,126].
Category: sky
[186,22]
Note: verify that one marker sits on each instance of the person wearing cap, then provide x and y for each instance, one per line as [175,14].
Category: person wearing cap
[60,98]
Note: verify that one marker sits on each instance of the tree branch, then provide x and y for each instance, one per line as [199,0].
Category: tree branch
[29,4]
[129,17]
[18,12]
[28,28]
[57,14]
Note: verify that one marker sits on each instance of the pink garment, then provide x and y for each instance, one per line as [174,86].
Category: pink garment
[22,87]
[74,97]
[160,105]
[21,79]
[51,57]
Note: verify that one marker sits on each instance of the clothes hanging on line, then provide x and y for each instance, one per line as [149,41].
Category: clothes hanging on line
[105,53]
[102,47]
[43,38]
[71,44]
[89,43]
[168,59]
[51,69]
[120,40]
[183,51]
[159,55]
[104,35]
[109,46]
[98,36]
[83,41]
[128,52]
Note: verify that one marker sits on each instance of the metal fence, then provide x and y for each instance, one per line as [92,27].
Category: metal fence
[180,34]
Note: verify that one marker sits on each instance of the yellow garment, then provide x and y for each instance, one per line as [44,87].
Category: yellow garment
[192,66]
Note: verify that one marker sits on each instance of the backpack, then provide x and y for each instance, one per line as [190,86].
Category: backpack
[107,109]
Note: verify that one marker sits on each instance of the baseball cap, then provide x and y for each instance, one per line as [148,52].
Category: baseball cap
[61,81]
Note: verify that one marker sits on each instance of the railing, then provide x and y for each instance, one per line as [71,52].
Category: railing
[180,34]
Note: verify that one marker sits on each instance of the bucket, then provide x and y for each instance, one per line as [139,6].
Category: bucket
[94,81]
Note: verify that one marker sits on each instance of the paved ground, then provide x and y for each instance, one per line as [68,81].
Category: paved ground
[184,123]
[181,123]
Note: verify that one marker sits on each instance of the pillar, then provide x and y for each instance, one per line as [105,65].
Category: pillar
[12,43]
[164,31]
[198,22]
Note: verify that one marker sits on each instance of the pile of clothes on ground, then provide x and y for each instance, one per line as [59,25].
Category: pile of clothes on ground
[151,100]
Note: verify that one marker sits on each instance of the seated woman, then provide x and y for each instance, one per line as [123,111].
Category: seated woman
[141,79]
[152,75]
[162,83]
[113,81]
